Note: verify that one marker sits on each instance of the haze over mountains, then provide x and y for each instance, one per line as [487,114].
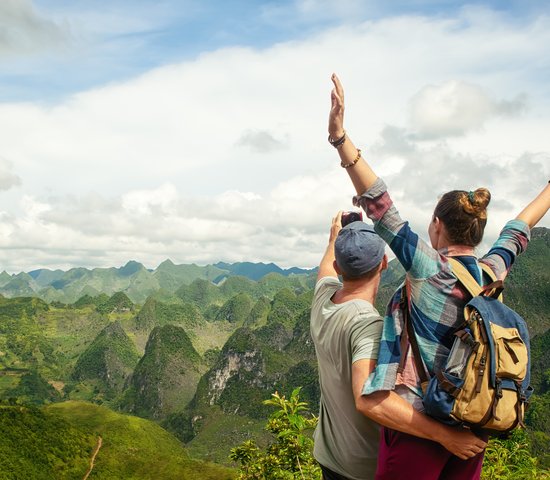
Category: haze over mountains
[133,279]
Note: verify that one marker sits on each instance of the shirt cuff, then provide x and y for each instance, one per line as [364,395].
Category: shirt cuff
[520,226]
[374,191]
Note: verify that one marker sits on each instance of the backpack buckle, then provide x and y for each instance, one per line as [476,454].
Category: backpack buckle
[498,388]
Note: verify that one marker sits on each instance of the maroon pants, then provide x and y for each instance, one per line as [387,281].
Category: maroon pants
[404,457]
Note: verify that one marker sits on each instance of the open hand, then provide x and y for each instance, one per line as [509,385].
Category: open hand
[336,116]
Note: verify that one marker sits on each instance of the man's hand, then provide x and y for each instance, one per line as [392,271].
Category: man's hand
[326,267]
[336,116]
[335,227]
[462,443]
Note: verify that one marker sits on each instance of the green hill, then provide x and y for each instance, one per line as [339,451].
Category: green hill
[166,377]
[133,279]
[157,313]
[35,444]
[57,442]
[211,352]
[236,309]
[527,287]
[110,358]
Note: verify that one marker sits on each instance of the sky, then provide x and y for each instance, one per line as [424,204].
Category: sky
[197,130]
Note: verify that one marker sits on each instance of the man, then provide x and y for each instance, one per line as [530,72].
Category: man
[346,330]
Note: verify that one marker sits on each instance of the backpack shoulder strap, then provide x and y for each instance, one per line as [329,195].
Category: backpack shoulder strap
[494,289]
[465,277]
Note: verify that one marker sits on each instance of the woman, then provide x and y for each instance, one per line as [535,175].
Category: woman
[392,394]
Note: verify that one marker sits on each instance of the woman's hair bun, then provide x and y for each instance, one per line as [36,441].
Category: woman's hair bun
[476,202]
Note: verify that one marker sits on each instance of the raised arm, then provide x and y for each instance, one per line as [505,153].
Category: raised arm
[360,172]
[326,267]
[533,212]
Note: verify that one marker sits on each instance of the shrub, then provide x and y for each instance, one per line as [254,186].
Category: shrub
[289,456]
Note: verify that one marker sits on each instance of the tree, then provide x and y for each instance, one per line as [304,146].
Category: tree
[289,456]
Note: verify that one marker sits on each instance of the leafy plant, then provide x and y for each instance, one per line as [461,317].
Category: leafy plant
[289,456]
[510,459]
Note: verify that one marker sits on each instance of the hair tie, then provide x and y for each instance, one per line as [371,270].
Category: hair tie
[471,196]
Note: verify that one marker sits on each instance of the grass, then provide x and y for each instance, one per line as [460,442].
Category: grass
[134,448]
[221,432]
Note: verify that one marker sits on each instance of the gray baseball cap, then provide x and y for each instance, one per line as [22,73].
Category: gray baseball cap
[358,249]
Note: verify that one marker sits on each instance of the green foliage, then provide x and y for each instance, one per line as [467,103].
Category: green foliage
[156,313]
[510,459]
[538,419]
[133,448]
[200,293]
[237,284]
[236,309]
[119,302]
[33,390]
[304,373]
[286,306]
[537,415]
[272,283]
[39,446]
[526,287]
[111,358]
[540,362]
[166,376]
[84,301]
[258,314]
[21,307]
[290,454]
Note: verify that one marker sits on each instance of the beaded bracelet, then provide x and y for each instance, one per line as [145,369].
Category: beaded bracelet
[338,142]
[347,165]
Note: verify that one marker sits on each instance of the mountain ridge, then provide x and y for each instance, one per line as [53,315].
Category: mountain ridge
[133,278]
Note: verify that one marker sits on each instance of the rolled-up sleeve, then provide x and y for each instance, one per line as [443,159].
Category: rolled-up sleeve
[417,257]
[512,241]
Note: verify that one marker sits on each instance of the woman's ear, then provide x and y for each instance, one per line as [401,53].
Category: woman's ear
[335,265]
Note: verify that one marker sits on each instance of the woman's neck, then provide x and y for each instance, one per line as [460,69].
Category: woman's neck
[457,250]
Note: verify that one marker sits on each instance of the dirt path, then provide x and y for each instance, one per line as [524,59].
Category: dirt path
[92,460]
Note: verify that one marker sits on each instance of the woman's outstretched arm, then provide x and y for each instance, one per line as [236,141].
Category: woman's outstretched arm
[360,172]
[533,212]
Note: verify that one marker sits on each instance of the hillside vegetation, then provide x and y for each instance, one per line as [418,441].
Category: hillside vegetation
[199,356]
[56,442]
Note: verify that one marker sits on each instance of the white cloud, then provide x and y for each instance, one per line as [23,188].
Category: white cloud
[8,179]
[261,141]
[24,30]
[455,108]
[226,158]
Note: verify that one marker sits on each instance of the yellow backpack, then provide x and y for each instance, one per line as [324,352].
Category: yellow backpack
[484,384]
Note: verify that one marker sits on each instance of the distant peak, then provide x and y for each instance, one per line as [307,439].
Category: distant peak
[167,263]
[130,268]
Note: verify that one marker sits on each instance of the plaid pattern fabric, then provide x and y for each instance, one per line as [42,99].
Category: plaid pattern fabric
[437,298]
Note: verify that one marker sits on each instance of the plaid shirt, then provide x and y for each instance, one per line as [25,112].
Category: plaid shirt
[437,299]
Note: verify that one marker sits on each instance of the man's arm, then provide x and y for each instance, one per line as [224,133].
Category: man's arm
[326,267]
[390,410]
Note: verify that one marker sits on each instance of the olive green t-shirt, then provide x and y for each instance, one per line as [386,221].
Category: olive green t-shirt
[346,441]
